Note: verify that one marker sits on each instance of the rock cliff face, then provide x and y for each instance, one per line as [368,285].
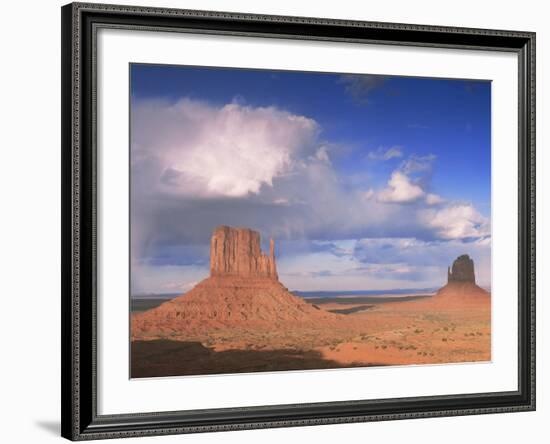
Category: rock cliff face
[243,291]
[461,288]
[462,270]
[237,252]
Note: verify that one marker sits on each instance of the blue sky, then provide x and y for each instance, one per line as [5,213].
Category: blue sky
[341,169]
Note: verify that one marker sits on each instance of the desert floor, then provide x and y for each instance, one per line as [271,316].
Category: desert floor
[405,332]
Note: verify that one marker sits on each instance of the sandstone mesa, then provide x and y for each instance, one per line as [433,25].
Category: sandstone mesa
[461,285]
[243,290]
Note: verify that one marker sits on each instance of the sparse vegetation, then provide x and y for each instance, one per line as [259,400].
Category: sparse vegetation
[382,335]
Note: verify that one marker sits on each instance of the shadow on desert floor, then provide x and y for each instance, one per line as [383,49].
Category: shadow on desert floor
[178,358]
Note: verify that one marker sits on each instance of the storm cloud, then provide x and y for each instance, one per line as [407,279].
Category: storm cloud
[196,165]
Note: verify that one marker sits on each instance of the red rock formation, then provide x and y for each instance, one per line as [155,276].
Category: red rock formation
[243,291]
[461,288]
[462,270]
[237,252]
[463,292]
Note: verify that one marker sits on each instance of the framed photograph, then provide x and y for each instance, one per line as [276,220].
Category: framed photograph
[283,221]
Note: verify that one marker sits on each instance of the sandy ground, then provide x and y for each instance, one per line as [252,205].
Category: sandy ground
[396,333]
[417,333]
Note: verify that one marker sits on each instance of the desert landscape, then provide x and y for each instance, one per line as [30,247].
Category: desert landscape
[243,319]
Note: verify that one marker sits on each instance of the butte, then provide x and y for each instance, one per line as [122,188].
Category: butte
[461,288]
[243,291]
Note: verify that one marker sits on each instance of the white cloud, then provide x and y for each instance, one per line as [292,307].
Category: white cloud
[457,221]
[207,151]
[147,279]
[434,199]
[322,154]
[281,201]
[418,164]
[177,286]
[386,154]
[429,258]
[380,263]
[369,194]
[400,189]
[196,165]
[360,86]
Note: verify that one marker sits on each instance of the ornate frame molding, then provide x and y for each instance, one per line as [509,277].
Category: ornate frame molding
[80,22]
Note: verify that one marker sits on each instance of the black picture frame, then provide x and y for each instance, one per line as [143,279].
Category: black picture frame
[80,420]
